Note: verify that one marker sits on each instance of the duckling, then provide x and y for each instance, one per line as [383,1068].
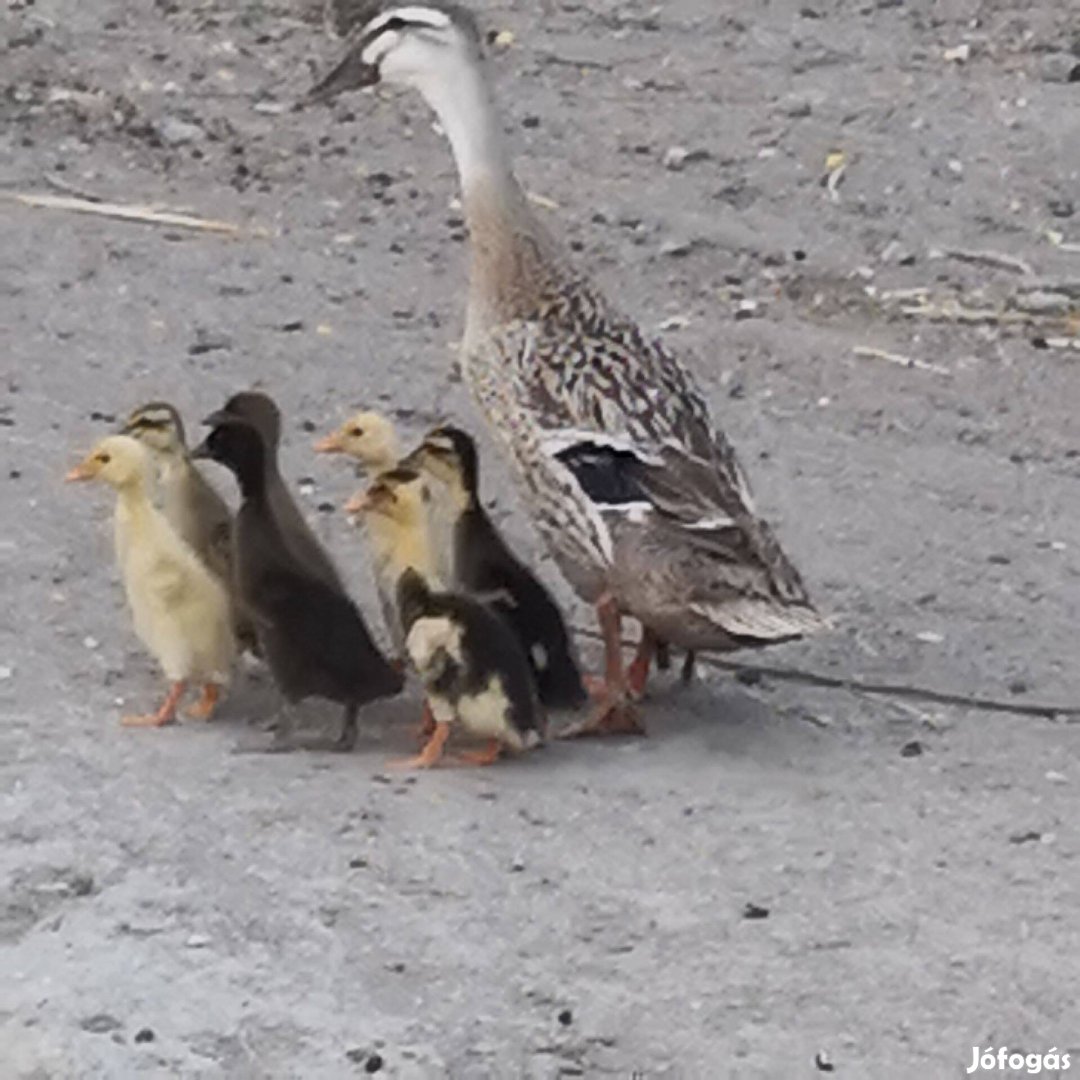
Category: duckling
[484,564]
[367,437]
[262,413]
[191,504]
[473,669]
[312,634]
[370,439]
[180,610]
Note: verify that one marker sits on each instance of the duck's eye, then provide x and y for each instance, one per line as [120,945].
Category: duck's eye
[103,459]
[356,432]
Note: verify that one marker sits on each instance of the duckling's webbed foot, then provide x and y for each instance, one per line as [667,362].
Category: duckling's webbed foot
[432,752]
[165,715]
[491,753]
[347,739]
[426,728]
[203,708]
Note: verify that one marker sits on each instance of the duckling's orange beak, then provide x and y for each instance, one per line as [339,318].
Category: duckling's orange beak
[85,470]
[331,444]
[360,503]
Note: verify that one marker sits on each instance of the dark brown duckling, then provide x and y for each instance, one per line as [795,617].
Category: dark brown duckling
[313,637]
[485,565]
[262,413]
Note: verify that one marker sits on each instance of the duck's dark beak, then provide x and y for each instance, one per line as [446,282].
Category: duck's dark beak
[218,417]
[351,74]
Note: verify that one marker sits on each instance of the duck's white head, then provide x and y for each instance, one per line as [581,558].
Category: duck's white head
[425,46]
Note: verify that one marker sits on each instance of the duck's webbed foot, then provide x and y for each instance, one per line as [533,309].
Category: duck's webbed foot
[613,713]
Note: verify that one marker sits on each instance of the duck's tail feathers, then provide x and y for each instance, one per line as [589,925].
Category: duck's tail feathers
[756,620]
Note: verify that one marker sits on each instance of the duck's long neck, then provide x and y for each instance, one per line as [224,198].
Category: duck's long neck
[508,243]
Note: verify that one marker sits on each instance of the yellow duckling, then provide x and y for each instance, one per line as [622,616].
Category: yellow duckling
[367,438]
[180,610]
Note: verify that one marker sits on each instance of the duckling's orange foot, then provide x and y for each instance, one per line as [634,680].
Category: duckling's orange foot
[426,728]
[488,756]
[614,716]
[147,720]
[428,757]
[165,715]
[203,709]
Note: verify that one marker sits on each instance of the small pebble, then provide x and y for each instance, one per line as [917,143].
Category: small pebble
[912,749]
[566,1017]
[755,911]
[821,1060]
[374,1063]
[145,1035]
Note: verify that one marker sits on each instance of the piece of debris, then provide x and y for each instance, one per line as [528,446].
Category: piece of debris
[870,353]
[755,911]
[147,215]
[1056,777]
[930,637]
[566,1017]
[958,54]
[100,1024]
[823,1062]
[1029,837]
[207,340]
[999,259]
[145,1035]
[912,749]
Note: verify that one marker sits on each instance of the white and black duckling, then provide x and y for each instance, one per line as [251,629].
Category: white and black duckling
[473,667]
[261,411]
[180,610]
[639,495]
[368,438]
[484,564]
[191,504]
[313,636]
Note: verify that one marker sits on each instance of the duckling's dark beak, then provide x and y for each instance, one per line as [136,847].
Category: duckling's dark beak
[351,74]
[201,452]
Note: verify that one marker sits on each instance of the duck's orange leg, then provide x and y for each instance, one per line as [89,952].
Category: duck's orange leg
[637,675]
[613,713]
[431,753]
[203,708]
[165,715]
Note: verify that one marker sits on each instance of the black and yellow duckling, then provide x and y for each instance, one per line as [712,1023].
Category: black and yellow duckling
[485,565]
[473,668]
[313,637]
[191,504]
[262,413]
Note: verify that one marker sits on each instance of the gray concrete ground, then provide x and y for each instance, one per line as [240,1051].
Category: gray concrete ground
[169,907]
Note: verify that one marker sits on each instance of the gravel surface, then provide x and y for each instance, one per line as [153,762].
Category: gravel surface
[782,878]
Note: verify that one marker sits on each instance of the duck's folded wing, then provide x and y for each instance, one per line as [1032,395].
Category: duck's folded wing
[731,568]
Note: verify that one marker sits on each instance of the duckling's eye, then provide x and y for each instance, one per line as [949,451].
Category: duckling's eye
[356,432]
[103,459]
